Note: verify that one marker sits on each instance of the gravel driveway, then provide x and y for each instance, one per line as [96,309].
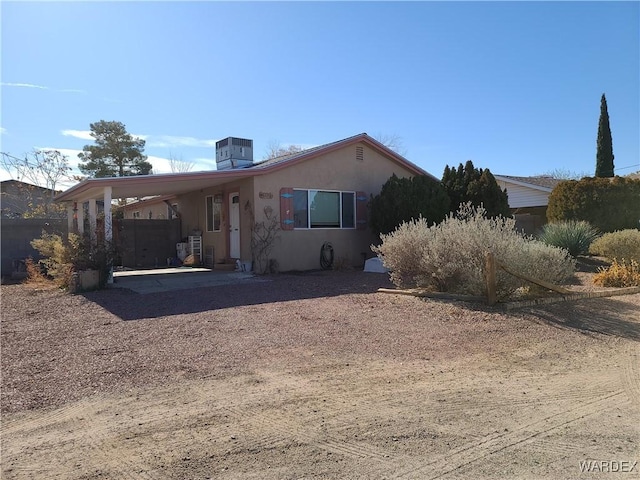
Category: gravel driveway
[313,376]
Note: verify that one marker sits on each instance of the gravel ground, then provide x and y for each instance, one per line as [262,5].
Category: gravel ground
[313,376]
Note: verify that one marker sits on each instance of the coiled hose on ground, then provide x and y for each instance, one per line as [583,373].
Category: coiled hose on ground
[326,256]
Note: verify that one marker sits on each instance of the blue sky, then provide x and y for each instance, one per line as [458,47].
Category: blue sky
[513,86]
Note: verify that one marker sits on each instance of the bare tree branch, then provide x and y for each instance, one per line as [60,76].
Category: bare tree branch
[178,165]
[275,149]
[392,141]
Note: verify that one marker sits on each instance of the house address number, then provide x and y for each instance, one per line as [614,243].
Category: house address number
[265,195]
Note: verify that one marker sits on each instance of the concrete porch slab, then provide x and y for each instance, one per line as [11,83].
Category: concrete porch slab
[178,278]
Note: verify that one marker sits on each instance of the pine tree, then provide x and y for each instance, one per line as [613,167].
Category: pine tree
[116,152]
[604,154]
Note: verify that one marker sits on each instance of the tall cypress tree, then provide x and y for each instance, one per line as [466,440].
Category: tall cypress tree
[604,154]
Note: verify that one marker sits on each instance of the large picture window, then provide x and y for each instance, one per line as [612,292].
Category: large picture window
[214,214]
[323,209]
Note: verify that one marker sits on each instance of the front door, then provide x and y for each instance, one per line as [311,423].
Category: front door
[234,225]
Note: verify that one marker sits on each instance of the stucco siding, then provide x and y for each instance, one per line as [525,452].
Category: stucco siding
[149,211]
[521,196]
[193,213]
[340,170]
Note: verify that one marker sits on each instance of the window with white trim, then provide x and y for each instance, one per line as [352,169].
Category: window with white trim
[214,214]
[324,209]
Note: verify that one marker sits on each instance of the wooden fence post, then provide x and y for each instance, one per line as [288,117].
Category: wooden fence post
[490,273]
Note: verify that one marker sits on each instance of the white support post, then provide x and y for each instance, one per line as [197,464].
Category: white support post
[108,222]
[80,213]
[93,222]
[108,225]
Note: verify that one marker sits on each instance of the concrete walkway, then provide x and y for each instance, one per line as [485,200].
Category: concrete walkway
[178,278]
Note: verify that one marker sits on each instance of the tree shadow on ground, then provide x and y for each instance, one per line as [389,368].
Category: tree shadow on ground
[129,305]
[608,316]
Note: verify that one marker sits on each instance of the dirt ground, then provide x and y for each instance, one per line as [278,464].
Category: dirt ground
[315,376]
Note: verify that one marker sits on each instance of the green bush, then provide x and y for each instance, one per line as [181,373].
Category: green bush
[402,199]
[623,244]
[477,186]
[574,236]
[451,256]
[608,204]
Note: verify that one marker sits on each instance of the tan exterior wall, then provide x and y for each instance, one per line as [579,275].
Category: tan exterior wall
[339,170]
[298,249]
[193,212]
[158,210]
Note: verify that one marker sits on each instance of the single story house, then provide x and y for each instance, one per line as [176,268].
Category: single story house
[528,198]
[318,195]
[159,207]
[19,198]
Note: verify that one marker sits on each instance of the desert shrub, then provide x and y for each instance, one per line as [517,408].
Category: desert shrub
[451,256]
[63,257]
[620,244]
[572,235]
[608,204]
[35,274]
[403,199]
[58,256]
[621,273]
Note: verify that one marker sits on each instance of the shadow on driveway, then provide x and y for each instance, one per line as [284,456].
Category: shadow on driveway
[609,316]
[129,305]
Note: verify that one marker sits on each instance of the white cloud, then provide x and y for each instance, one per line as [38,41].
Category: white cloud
[24,85]
[86,134]
[3,131]
[160,164]
[83,134]
[163,165]
[203,164]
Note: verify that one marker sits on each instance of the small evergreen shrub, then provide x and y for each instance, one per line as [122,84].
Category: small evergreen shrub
[572,235]
[403,199]
[476,186]
[620,244]
[451,256]
[620,274]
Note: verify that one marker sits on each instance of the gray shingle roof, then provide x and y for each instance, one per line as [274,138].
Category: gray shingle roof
[540,181]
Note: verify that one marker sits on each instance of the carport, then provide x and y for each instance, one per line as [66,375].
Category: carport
[138,186]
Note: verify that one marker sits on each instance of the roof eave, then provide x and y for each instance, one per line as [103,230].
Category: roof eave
[523,184]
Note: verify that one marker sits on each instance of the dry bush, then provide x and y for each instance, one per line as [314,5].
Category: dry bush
[619,274]
[35,276]
[64,257]
[620,244]
[451,256]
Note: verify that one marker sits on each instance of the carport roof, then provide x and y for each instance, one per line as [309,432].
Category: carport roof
[180,183]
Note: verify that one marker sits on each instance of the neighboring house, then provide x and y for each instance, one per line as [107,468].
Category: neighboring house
[317,195]
[160,207]
[19,198]
[528,198]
